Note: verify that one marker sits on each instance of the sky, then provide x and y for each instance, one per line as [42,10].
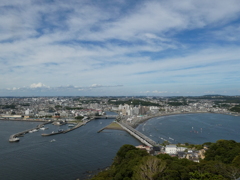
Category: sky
[119,47]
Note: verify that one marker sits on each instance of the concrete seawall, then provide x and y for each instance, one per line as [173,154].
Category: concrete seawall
[13,137]
[66,131]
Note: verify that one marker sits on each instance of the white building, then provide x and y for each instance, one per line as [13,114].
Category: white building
[27,112]
[171,149]
[181,149]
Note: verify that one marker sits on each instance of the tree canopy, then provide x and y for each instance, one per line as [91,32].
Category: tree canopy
[222,162]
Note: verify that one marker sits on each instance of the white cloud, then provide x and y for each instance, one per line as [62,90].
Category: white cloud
[82,43]
[159,92]
[38,85]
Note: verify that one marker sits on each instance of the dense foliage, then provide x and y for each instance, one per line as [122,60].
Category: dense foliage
[235,108]
[79,117]
[73,108]
[222,162]
[12,106]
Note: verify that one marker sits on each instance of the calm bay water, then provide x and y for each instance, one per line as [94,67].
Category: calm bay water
[192,128]
[81,150]
[67,158]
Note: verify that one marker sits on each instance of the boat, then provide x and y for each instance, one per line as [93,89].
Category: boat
[34,130]
[14,140]
[71,125]
[52,140]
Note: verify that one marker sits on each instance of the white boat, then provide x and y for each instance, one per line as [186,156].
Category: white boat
[52,140]
[14,140]
[71,125]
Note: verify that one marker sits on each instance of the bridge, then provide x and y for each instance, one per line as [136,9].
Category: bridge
[105,117]
[141,137]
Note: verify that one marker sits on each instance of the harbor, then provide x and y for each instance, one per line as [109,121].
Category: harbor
[82,143]
[14,137]
[68,130]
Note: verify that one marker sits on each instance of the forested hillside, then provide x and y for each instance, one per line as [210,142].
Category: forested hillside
[222,162]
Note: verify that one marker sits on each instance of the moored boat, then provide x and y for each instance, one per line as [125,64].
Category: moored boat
[14,139]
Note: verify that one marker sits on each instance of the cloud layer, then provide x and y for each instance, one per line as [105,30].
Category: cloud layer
[160,47]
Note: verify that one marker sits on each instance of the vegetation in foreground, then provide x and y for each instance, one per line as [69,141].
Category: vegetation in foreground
[222,162]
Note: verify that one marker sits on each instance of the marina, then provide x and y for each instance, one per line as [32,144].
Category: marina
[68,130]
[13,138]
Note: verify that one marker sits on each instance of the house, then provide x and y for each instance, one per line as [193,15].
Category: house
[181,155]
[181,149]
[156,150]
[171,149]
[147,148]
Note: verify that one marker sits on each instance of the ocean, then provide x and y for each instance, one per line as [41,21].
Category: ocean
[192,128]
[83,151]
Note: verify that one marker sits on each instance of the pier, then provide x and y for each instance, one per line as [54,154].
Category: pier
[13,138]
[141,137]
[66,131]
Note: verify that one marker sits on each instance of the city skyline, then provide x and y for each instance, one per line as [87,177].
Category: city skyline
[119,48]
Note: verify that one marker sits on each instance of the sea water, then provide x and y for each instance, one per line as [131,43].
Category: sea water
[73,155]
[192,128]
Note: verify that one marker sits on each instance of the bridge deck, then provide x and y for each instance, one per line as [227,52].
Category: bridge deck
[143,138]
[105,117]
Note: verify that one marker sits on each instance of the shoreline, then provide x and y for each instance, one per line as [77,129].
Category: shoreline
[26,120]
[144,119]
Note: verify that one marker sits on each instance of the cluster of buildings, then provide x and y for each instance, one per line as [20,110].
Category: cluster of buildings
[48,107]
[69,107]
[130,110]
[176,151]
[201,106]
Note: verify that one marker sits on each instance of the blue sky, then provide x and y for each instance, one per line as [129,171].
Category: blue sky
[120,47]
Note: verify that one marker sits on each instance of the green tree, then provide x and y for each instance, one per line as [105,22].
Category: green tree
[204,176]
[149,167]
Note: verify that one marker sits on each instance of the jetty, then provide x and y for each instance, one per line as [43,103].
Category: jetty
[66,131]
[105,117]
[14,137]
[141,137]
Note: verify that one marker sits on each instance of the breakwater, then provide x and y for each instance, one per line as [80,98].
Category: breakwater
[66,131]
[13,138]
